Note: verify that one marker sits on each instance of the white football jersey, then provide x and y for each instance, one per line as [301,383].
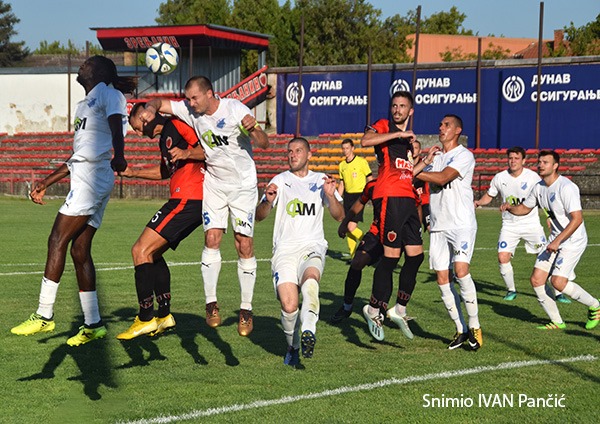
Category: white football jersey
[300,203]
[514,190]
[92,140]
[228,149]
[451,206]
[559,200]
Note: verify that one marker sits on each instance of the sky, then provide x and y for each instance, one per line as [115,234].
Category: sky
[63,20]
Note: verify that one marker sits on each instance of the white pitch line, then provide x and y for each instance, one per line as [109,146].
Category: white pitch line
[125,266]
[350,389]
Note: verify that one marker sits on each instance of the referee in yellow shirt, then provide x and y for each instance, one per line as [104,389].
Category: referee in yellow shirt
[354,173]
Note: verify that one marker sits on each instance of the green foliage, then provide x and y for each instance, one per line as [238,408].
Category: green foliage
[450,22]
[56,47]
[493,52]
[584,40]
[10,52]
[197,12]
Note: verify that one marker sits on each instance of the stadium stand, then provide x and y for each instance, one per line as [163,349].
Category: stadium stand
[26,157]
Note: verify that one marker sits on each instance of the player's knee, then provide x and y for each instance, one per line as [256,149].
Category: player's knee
[79,254]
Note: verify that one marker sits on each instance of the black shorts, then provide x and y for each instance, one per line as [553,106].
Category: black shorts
[176,220]
[349,199]
[399,223]
[371,245]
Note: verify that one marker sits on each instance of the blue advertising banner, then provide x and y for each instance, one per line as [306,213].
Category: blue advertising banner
[337,103]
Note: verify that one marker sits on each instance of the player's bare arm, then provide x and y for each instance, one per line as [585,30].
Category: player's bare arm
[152,173]
[372,138]
[576,219]
[258,136]
[440,178]
[519,209]
[153,107]
[485,200]
[39,188]
[335,207]
[426,161]
[197,153]
[264,208]
[356,208]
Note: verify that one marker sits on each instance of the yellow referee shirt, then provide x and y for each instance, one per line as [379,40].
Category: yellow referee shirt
[354,174]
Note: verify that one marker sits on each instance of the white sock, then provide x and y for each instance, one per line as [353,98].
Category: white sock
[89,306]
[576,292]
[309,314]
[211,267]
[288,322]
[469,295]
[548,304]
[400,309]
[508,275]
[48,293]
[247,277]
[452,303]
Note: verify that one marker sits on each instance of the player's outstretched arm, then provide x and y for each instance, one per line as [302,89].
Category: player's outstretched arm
[264,207]
[39,189]
[485,200]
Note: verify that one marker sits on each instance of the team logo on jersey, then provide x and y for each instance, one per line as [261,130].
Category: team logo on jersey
[552,197]
[221,123]
[296,207]
[92,102]
[169,142]
[450,161]
[392,236]
[312,186]
[464,245]
[524,186]
[250,217]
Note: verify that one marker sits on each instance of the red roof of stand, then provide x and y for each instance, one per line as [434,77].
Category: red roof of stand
[179,36]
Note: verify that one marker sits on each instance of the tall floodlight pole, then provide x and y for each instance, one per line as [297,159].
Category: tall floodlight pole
[299,91]
[539,78]
[416,59]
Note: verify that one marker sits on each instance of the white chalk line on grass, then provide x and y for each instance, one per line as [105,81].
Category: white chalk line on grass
[359,388]
[122,266]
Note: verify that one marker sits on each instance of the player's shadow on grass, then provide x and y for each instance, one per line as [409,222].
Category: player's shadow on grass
[187,329]
[92,359]
[338,255]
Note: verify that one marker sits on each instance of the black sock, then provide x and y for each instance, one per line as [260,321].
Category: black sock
[383,283]
[162,287]
[408,278]
[144,283]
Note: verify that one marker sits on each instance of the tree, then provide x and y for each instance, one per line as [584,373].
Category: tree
[450,22]
[56,47]
[493,52]
[188,12]
[10,52]
[585,40]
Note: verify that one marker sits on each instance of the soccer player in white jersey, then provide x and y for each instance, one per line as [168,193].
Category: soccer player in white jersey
[559,197]
[513,185]
[449,173]
[226,128]
[100,125]
[299,244]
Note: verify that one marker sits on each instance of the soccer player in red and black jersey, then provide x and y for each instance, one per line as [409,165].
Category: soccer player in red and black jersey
[368,251]
[175,220]
[399,225]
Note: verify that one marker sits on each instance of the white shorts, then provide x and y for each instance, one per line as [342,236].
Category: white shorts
[510,236]
[561,263]
[238,204]
[449,246]
[288,264]
[91,185]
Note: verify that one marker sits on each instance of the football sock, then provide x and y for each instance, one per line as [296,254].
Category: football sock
[408,278]
[469,295]
[89,306]
[211,267]
[351,243]
[576,292]
[382,282]
[48,293]
[548,304]
[452,303]
[354,235]
[309,313]
[508,275]
[288,322]
[351,284]
[400,309]
[144,287]
[162,287]
[247,276]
